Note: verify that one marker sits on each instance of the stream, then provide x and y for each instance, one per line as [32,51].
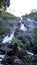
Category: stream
[26,26]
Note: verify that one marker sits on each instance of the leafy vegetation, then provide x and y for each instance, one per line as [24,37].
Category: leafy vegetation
[3,5]
[34,40]
[3,28]
[5,17]
[8,16]
[2,2]
[19,43]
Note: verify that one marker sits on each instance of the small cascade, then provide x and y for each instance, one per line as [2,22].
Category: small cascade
[29,53]
[1,57]
[8,39]
[20,21]
[21,18]
[22,27]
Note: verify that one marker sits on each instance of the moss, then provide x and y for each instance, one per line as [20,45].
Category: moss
[3,28]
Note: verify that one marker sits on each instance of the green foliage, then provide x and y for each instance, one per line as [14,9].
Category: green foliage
[0,11]
[8,16]
[2,2]
[33,44]
[35,36]
[32,15]
[3,28]
[19,43]
[25,57]
[34,40]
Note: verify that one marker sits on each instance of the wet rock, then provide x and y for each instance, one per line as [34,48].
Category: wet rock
[12,60]
[10,52]
[2,52]
[35,57]
[18,24]
[14,53]
[18,61]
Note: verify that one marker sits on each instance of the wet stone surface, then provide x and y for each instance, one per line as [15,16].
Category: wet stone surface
[11,55]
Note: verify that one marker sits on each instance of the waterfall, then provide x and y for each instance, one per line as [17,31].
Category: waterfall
[22,27]
[8,38]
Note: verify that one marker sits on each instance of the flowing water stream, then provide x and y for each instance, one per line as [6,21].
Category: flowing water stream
[26,25]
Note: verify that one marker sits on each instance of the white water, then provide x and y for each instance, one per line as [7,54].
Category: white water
[0,59]
[22,27]
[8,39]
[20,21]
[29,19]
[21,18]
[29,53]
[2,56]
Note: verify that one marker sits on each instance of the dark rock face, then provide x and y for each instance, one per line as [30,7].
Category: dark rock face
[11,55]
[12,60]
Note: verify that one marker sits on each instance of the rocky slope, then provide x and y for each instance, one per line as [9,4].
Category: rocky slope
[22,50]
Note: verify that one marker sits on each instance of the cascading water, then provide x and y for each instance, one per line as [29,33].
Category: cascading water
[8,39]
[22,27]
[1,57]
[30,24]
[30,53]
